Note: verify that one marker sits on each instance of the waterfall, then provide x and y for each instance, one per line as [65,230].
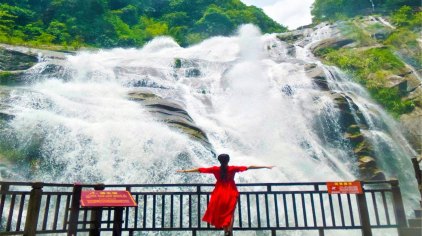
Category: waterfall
[372,5]
[252,98]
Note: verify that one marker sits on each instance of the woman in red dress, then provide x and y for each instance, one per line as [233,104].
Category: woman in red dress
[220,210]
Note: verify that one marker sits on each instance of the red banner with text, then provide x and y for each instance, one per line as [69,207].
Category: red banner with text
[354,187]
[107,198]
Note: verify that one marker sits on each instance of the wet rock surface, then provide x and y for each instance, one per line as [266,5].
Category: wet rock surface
[352,130]
[171,113]
[407,80]
[331,43]
[11,60]
[16,62]
[318,75]
[412,124]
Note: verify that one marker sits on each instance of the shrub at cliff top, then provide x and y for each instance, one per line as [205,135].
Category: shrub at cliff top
[323,10]
[371,68]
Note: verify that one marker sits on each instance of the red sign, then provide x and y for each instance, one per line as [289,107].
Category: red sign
[354,187]
[107,198]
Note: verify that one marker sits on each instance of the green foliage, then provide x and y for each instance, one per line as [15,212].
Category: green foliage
[338,9]
[390,98]
[353,31]
[402,17]
[405,17]
[367,61]
[177,63]
[127,23]
[405,42]
[404,39]
[214,22]
[371,68]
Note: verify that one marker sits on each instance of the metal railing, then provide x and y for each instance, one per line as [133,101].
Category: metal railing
[37,208]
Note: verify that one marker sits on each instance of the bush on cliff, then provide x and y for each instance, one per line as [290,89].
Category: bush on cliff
[372,67]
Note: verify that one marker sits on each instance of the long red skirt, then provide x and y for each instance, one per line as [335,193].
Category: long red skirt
[221,208]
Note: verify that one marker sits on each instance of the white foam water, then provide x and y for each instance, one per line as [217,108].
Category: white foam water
[253,101]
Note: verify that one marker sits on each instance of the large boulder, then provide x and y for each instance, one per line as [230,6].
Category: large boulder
[330,43]
[11,77]
[171,113]
[317,74]
[11,60]
[16,62]
[291,37]
[412,126]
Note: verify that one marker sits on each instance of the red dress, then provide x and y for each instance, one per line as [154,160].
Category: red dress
[223,198]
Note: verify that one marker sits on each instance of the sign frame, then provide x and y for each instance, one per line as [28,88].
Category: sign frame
[344,187]
[107,198]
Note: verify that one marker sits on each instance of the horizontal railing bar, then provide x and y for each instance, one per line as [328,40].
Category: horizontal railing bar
[241,192]
[251,228]
[377,190]
[193,192]
[189,184]
[206,229]
[15,192]
[56,193]
[12,233]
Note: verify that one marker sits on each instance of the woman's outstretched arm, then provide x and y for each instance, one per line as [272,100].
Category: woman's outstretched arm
[259,167]
[187,171]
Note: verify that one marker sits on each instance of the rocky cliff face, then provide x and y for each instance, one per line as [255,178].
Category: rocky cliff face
[406,79]
[357,37]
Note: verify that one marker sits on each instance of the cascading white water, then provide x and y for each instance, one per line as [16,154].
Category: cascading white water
[251,99]
[372,5]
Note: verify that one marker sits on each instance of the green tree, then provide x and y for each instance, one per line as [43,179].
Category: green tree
[109,23]
[214,22]
[403,16]
[59,31]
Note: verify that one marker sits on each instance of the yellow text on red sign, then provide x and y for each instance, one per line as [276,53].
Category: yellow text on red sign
[107,198]
[354,187]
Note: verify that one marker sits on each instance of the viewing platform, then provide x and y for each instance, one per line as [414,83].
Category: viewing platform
[48,208]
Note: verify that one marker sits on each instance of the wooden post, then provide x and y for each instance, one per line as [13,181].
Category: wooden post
[33,209]
[118,220]
[96,215]
[74,210]
[363,214]
[398,206]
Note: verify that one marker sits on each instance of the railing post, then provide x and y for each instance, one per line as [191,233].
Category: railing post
[118,220]
[398,206]
[96,215]
[74,210]
[363,214]
[3,192]
[33,209]
[418,176]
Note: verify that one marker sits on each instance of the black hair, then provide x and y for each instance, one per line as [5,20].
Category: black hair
[224,161]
